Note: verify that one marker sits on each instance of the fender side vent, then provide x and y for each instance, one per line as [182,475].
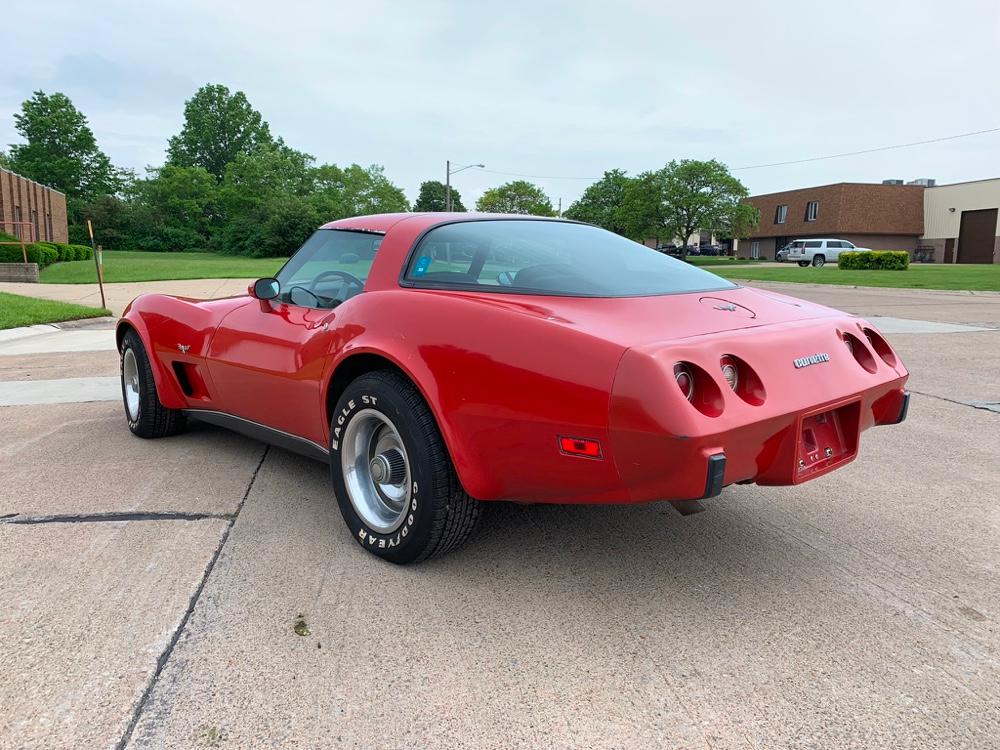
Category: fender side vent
[180,371]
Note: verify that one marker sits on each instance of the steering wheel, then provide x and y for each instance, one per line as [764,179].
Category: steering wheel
[349,278]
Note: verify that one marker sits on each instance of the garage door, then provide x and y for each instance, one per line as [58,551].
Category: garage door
[977,235]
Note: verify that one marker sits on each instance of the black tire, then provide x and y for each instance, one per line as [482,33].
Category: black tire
[153,420]
[440,515]
[819,261]
[804,263]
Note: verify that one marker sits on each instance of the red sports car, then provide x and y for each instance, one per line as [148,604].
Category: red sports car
[437,361]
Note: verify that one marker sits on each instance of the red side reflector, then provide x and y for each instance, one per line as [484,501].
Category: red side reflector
[580,447]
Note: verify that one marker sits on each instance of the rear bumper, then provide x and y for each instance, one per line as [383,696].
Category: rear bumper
[770,452]
[665,448]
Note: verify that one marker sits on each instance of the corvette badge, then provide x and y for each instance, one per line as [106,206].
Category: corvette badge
[812,359]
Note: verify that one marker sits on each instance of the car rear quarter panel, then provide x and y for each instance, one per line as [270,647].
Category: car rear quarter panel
[503,382]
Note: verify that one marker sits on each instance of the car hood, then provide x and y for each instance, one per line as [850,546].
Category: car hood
[638,321]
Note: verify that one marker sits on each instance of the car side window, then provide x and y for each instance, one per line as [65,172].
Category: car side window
[814,244]
[330,268]
[834,245]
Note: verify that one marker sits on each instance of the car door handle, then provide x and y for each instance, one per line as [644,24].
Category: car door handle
[324,323]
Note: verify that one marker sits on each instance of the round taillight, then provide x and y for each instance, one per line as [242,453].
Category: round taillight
[860,352]
[881,346]
[730,371]
[685,380]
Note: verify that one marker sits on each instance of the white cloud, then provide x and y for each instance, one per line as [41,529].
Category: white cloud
[546,88]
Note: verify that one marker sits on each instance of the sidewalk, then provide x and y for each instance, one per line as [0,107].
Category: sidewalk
[119,295]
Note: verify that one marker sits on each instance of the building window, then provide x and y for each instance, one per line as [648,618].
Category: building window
[780,214]
[17,220]
[755,249]
[48,227]
[34,225]
[812,210]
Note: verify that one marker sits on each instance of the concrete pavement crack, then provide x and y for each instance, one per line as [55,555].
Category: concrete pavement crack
[113,516]
[164,657]
[980,405]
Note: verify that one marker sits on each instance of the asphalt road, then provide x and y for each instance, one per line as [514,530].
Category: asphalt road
[202,591]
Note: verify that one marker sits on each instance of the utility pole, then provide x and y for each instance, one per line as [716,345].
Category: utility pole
[560,207]
[448,172]
[447,186]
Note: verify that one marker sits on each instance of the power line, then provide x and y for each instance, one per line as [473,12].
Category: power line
[778,163]
[869,150]
[537,176]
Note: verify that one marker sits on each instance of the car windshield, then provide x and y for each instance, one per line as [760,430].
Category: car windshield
[549,257]
[329,268]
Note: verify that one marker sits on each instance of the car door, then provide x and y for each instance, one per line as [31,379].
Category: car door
[268,358]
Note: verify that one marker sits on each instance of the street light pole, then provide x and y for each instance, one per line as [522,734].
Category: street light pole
[448,172]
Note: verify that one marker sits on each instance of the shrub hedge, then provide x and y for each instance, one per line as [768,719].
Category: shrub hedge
[45,253]
[875,260]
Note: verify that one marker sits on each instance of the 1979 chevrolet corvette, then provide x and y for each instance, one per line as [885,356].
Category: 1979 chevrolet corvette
[436,361]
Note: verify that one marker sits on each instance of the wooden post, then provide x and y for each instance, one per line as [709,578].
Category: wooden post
[97,262]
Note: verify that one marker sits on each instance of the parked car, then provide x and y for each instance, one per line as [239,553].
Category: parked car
[574,367]
[818,252]
[712,250]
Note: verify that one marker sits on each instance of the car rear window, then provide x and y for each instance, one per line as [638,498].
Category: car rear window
[532,256]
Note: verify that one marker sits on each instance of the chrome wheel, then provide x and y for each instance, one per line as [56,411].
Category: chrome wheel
[130,383]
[376,470]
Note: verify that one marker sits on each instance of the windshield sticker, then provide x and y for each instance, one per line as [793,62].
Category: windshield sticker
[423,263]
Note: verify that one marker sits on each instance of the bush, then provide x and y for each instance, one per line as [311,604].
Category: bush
[82,252]
[875,260]
[37,253]
[63,252]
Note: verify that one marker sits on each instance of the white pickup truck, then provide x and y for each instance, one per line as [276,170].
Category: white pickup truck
[819,252]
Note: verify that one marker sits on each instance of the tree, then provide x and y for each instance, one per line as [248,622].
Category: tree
[218,127]
[604,203]
[178,209]
[687,196]
[356,191]
[432,197]
[61,150]
[517,197]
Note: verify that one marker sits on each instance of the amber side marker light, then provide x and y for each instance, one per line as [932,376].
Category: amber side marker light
[584,447]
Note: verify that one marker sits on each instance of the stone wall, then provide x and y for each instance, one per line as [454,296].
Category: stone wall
[24,272]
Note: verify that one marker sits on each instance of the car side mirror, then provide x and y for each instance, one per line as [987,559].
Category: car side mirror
[265,289]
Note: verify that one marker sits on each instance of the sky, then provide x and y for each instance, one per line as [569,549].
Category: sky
[555,90]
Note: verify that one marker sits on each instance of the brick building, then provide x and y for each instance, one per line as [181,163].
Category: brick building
[24,200]
[880,217]
[955,223]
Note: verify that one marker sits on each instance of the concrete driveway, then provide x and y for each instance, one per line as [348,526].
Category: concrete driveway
[202,590]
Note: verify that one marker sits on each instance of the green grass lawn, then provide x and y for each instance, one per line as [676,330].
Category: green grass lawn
[974,277]
[719,260]
[16,311]
[120,265]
